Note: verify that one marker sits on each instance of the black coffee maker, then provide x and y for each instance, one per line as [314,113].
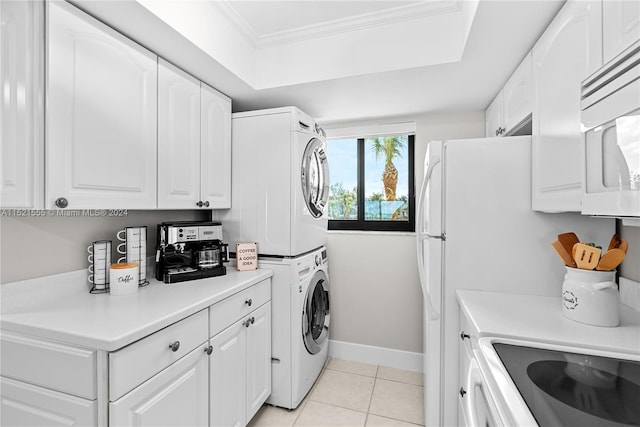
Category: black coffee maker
[189,251]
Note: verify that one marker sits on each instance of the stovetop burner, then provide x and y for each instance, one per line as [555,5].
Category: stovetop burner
[571,389]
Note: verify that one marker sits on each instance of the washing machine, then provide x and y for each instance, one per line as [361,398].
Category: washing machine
[280,182]
[299,324]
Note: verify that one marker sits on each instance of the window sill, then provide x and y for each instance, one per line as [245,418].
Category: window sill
[374,232]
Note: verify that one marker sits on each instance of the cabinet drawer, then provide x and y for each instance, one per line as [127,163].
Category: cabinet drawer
[51,365]
[28,405]
[236,306]
[134,364]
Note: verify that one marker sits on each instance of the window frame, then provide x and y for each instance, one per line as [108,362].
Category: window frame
[360,224]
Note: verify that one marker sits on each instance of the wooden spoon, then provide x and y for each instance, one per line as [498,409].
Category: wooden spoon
[563,254]
[586,256]
[614,243]
[624,245]
[567,240]
[610,260]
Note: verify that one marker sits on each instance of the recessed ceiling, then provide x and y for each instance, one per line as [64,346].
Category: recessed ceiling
[340,60]
[267,18]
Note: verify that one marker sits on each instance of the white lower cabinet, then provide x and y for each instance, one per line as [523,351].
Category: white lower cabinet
[240,369]
[227,376]
[23,404]
[177,396]
[176,376]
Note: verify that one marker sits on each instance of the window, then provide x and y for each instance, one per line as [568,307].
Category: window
[372,183]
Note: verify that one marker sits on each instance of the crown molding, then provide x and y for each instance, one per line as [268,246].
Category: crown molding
[353,23]
[358,22]
[229,12]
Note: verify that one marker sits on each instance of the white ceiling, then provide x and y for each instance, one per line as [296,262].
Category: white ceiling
[500,35]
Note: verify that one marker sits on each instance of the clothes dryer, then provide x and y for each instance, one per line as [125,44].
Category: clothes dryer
[300,324]
[280,182]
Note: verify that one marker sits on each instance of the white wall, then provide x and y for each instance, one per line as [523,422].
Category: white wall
[375,291]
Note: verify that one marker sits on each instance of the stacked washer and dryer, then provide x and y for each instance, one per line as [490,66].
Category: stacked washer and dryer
[280,186]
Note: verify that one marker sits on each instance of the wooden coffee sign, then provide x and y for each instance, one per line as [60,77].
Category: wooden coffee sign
[246,256]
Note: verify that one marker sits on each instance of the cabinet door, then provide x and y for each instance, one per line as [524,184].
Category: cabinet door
[22,108]
[101,115]
[177,396]
[258,359]
[567,52]
[621,26]
[517,95]
[215,160]
[227,376]
[494,123]
[24,404]
[178,138]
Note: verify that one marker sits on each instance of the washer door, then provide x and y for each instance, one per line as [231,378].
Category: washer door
[315,314]
[315,177]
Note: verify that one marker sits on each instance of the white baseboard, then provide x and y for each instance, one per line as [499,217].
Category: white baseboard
[376,355]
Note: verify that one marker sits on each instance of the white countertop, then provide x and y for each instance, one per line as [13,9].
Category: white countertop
[61,308]
[540,319]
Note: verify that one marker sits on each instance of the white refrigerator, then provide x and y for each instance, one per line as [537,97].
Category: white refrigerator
[476,230]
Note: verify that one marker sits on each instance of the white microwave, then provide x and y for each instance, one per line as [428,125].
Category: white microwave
[611,124]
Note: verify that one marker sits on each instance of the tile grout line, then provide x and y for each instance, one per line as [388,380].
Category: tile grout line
[373,389]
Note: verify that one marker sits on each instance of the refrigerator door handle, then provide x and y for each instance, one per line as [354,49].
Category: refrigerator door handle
[421,235]
[422,229]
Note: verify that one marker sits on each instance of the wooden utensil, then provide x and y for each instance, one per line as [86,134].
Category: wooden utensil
[614,243]
[568,240]
[587,257]
[563,254]
[610,260]
[624,245]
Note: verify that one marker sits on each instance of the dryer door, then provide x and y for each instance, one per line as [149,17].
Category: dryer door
[315,177]
[315,315]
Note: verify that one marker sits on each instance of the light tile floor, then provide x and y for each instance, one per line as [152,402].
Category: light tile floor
[351,394]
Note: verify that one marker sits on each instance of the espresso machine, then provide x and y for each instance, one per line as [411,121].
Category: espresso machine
[190,250]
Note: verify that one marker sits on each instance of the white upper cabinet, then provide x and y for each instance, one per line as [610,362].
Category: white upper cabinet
[178,138]
[621,26]
[194,142]
[101,115]
[22,108]
[215,159]
[569,50]
[494,117]
[517,94]
[510,111]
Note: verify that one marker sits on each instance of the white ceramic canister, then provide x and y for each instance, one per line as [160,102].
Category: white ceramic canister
[591,297]
[123,278]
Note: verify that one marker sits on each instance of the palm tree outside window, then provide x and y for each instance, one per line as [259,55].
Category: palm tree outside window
[371,183]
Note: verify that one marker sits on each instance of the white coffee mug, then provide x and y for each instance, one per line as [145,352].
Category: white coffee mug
[123,278]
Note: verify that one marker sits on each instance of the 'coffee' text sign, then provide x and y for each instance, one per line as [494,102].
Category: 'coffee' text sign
[247,256]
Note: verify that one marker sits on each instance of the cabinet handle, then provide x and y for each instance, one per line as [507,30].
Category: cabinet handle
[199,204]
[253,319]
[208,350]
[249,302]
[462,392]
[61,202]
[174,346]
[246,323]
[463,336]
[206,204]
